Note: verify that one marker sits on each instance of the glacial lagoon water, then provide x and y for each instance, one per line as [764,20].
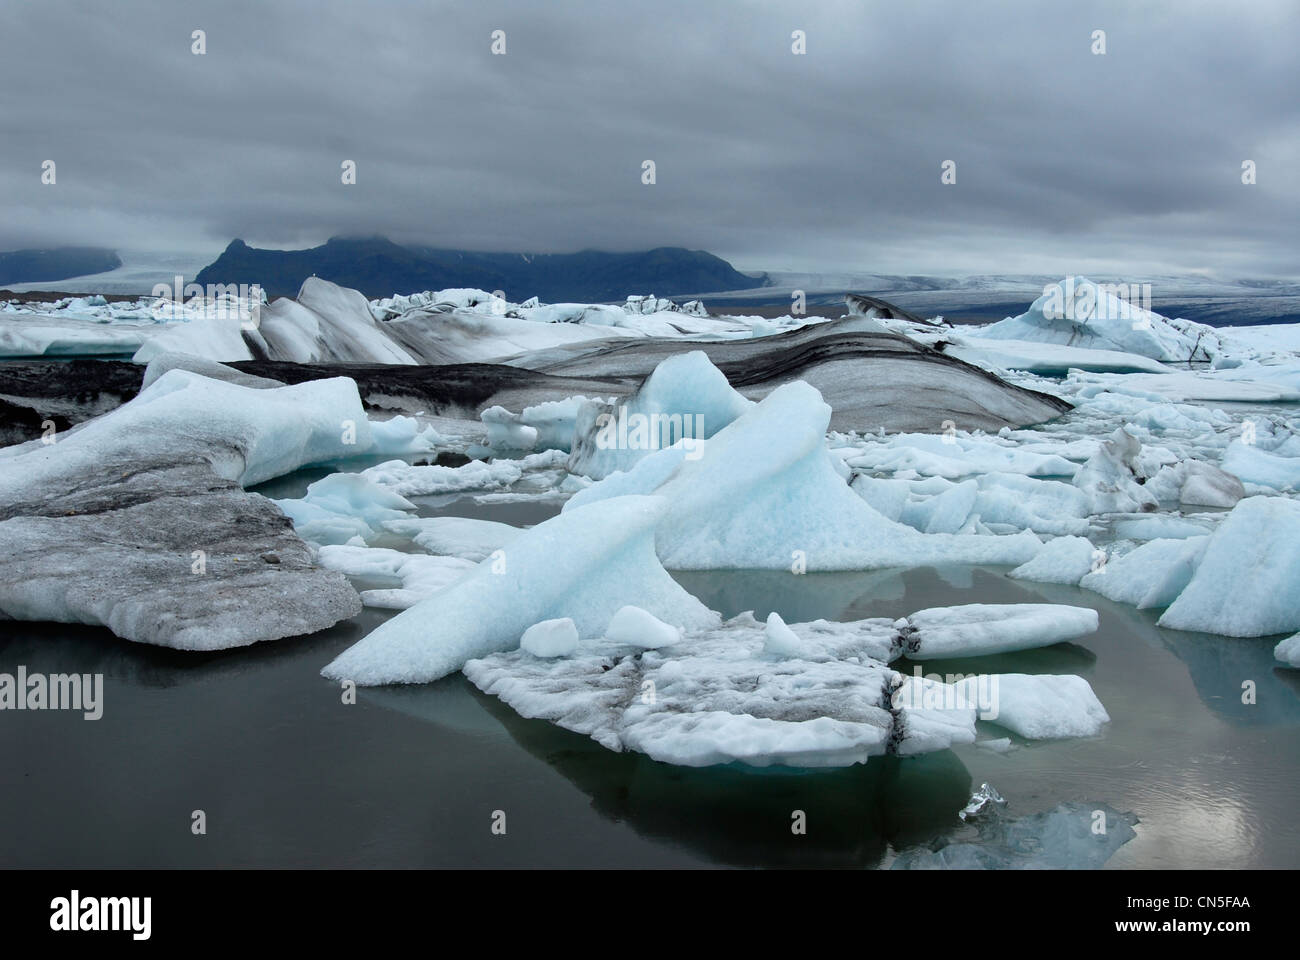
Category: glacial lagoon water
[287,774]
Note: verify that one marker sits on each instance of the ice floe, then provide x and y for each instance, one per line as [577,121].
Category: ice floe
[136,520]
[1039,707]
[585,565]
[1244,584]
[808,695]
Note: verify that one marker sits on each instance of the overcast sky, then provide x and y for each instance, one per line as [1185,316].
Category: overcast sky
[1126,163]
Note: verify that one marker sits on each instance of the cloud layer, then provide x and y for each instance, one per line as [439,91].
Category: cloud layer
[1125,163]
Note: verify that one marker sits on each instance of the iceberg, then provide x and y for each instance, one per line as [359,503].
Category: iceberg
[136,520]
[1110,477]
[765,494]
[686,398]
[1152,575]
[1250,464]
[1063,560]
[720,697]
[1039,707]
[1288,651]
[342,506]
[584,565]
[1080,313]
[813,694]
[1244,583]
[977,629]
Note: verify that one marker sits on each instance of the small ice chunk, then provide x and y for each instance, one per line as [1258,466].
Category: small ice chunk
[551,638]
[1153,575]
[1041,707]
[638,628]
[1063,560]
[976,629]
[1288,651]
[465,537]
[982,801]
[779,640]
[1110,477]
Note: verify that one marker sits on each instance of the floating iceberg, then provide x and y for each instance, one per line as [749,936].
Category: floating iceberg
[135,520]
[1110,478]
[1079,313]
[1244,584]
[685,399]
[806,694]
[719,697]
[1288,651]
[1063,560]
[585,565]
[342,506]
[1039,707]
[977,629]
[1152,575]
[765,494]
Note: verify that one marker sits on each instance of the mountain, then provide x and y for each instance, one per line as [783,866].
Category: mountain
[379,268]
[57,263]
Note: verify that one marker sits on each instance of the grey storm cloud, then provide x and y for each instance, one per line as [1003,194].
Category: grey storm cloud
[831,160]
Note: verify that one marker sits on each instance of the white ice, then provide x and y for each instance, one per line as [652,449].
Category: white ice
[551,638]
[686,398]
[1244,585]
[765,494]
[978,629]
[586,565]
[1040,706]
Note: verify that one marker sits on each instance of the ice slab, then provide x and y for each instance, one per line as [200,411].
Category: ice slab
[1288,651]
[585,565]
[720,697]
[1244,583]
[464,537]
[1063,560]
[1039,706]
[135,520]
[977,629]
[420,575]
[1152,575]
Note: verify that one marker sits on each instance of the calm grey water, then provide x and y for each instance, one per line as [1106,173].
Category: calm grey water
[289,775]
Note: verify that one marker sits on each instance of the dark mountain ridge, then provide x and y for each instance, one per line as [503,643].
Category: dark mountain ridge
[55,263]
[379,267]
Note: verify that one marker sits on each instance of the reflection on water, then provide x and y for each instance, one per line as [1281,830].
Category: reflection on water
[289,774]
